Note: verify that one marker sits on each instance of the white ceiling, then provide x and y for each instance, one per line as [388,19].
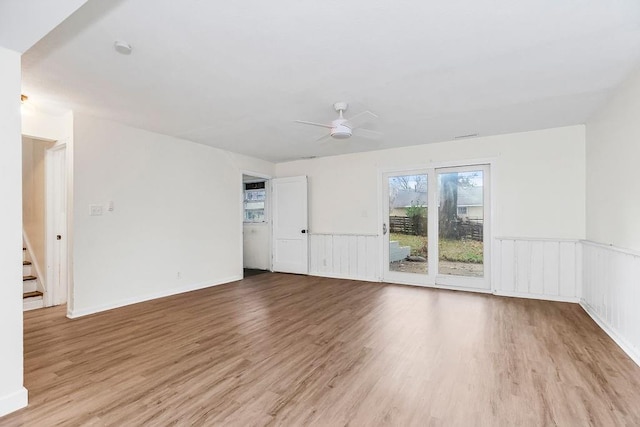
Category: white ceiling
[235,75]
[23,23]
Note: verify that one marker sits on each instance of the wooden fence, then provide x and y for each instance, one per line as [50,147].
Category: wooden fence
[470,229]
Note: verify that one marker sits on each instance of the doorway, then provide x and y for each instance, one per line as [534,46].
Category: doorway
[44,219]
[436,227]
[256,225]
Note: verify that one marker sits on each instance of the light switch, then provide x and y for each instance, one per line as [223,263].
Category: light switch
[110,206]
[96,210]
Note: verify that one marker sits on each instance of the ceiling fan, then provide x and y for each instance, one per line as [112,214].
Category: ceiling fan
[342,128]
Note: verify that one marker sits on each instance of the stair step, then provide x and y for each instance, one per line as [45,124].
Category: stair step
[26,262]
[31,294]
[25,278]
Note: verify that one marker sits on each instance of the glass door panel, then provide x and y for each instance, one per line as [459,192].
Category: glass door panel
[407,224]
[461,216]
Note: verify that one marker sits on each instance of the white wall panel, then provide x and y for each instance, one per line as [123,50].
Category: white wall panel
[537,268]
[346,256]
[12,394]
[611,293]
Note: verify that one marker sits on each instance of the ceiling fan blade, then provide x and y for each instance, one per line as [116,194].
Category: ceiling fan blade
[324,138]
[360,119]
[304,122]
[367,133]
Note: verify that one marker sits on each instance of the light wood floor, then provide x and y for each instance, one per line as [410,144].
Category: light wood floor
[279,349]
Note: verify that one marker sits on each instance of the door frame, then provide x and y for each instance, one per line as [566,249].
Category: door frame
[432,280]
[269,217]
[56,293]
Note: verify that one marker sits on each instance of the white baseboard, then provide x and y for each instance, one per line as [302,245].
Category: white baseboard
[73,314]
[622,343]
[340,276]
[542,297]
[14,401]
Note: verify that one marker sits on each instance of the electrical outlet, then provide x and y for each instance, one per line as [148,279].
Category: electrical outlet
[178,275]
[324,262]
[95,210]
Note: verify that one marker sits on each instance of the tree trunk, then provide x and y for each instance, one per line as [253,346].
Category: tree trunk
[448,221]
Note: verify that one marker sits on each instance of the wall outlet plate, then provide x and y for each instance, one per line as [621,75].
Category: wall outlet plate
[95,210]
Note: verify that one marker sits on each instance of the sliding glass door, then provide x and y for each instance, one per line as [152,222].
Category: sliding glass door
[436,222]
[407,227]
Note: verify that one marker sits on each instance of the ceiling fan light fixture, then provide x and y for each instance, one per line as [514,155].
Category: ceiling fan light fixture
[341,132]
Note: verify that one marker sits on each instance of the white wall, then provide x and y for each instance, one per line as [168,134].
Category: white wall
[257,245]
[538,182]
[48,126]
[612,253]
[613,152]
[176,203]
[12,394]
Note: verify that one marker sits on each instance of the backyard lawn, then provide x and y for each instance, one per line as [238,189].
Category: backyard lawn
[450,250]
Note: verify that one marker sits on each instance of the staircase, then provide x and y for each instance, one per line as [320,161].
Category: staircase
[32,296]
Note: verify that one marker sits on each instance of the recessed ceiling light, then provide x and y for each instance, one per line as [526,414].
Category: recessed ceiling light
[122,47]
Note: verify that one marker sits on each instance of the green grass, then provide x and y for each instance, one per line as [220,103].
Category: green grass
[450,250]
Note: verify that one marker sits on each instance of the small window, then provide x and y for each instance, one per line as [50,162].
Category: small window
[462,210]
[255,195]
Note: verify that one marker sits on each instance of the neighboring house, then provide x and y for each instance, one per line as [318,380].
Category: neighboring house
[469,202]
[403,199]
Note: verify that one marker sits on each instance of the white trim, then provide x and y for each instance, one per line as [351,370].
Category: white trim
[617,338]
[441,165]
[13,401]
[539,239]
[34,262]
[256,174]
[73,314]
[541,297]
[345,234]
[342,277]
[610,247]
[439,286]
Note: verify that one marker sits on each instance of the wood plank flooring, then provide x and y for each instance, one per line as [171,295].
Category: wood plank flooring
[278,349]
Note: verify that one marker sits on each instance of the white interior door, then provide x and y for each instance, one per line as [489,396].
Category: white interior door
[57,226]
[290,234]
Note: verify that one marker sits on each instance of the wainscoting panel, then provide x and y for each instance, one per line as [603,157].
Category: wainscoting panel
[345,256]
[611,293]
[537,268]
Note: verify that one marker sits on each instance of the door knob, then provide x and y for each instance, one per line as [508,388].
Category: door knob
[303,231]
[58,237]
